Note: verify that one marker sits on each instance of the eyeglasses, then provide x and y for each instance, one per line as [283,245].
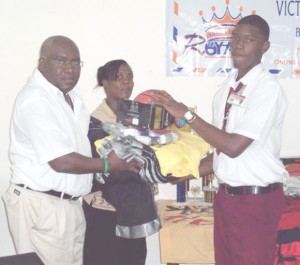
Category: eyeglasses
[64,62]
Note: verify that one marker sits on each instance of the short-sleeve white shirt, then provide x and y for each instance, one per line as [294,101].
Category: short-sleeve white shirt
[260,117]
[44,127]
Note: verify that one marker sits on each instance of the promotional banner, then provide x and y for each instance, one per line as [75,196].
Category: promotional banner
[199,33]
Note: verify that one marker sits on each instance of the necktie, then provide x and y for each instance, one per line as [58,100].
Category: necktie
[69,100]
[228,106]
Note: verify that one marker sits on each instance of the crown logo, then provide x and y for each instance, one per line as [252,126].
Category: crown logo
[220,28]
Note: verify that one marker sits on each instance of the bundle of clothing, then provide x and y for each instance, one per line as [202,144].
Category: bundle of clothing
[128,148]
[134,202]
[131,194]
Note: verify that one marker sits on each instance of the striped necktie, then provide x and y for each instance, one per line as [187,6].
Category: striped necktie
[228,106]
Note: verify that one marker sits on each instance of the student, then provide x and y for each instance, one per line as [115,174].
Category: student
[102,246]
[51,158]
[246,134]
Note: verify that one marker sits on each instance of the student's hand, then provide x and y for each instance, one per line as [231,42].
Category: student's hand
[116,164]
[176,180]
[175,108]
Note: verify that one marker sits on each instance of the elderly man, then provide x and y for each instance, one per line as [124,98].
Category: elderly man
[51,158]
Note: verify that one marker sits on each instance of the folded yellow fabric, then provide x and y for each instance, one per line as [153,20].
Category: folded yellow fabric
[180,158]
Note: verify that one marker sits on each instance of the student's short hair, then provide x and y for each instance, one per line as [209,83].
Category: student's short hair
[256,21]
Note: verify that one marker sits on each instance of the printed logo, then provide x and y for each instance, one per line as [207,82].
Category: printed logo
[218,30]
[209,42]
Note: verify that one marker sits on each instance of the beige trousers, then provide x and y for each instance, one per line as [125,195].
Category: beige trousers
[54,228]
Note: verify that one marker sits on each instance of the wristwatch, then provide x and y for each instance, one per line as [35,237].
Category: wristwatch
[189,116]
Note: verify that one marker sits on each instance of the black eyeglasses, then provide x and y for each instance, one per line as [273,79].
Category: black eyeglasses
[63,61]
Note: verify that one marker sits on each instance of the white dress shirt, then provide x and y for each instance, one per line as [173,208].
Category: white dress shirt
[44,127]
[260,117]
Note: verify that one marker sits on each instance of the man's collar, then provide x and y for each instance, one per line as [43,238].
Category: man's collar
[252,73]
[48,86]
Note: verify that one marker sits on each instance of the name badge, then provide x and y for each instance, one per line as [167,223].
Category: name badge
[235,99]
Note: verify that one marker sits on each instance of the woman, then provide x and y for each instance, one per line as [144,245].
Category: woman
[102,246]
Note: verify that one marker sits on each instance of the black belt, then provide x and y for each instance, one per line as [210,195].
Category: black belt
[244,190]
[53,193]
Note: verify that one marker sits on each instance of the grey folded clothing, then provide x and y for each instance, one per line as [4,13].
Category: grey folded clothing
[135,207]
[128,148]
[130,194]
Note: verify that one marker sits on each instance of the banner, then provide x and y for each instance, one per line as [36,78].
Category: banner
[199,33]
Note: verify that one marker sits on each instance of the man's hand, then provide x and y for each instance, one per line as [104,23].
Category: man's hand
[175,108]
[116,164]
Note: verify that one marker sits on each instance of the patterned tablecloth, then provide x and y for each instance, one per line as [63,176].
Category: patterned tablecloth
[186,235]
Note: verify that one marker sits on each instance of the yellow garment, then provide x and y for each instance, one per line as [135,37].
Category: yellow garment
[180,158]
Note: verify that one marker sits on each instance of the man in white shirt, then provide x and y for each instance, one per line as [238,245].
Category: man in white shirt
[248,114]
[51,158]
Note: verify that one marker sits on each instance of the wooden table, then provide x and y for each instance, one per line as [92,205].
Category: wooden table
[186,235]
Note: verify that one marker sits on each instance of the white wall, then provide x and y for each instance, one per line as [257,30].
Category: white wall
[133,30]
